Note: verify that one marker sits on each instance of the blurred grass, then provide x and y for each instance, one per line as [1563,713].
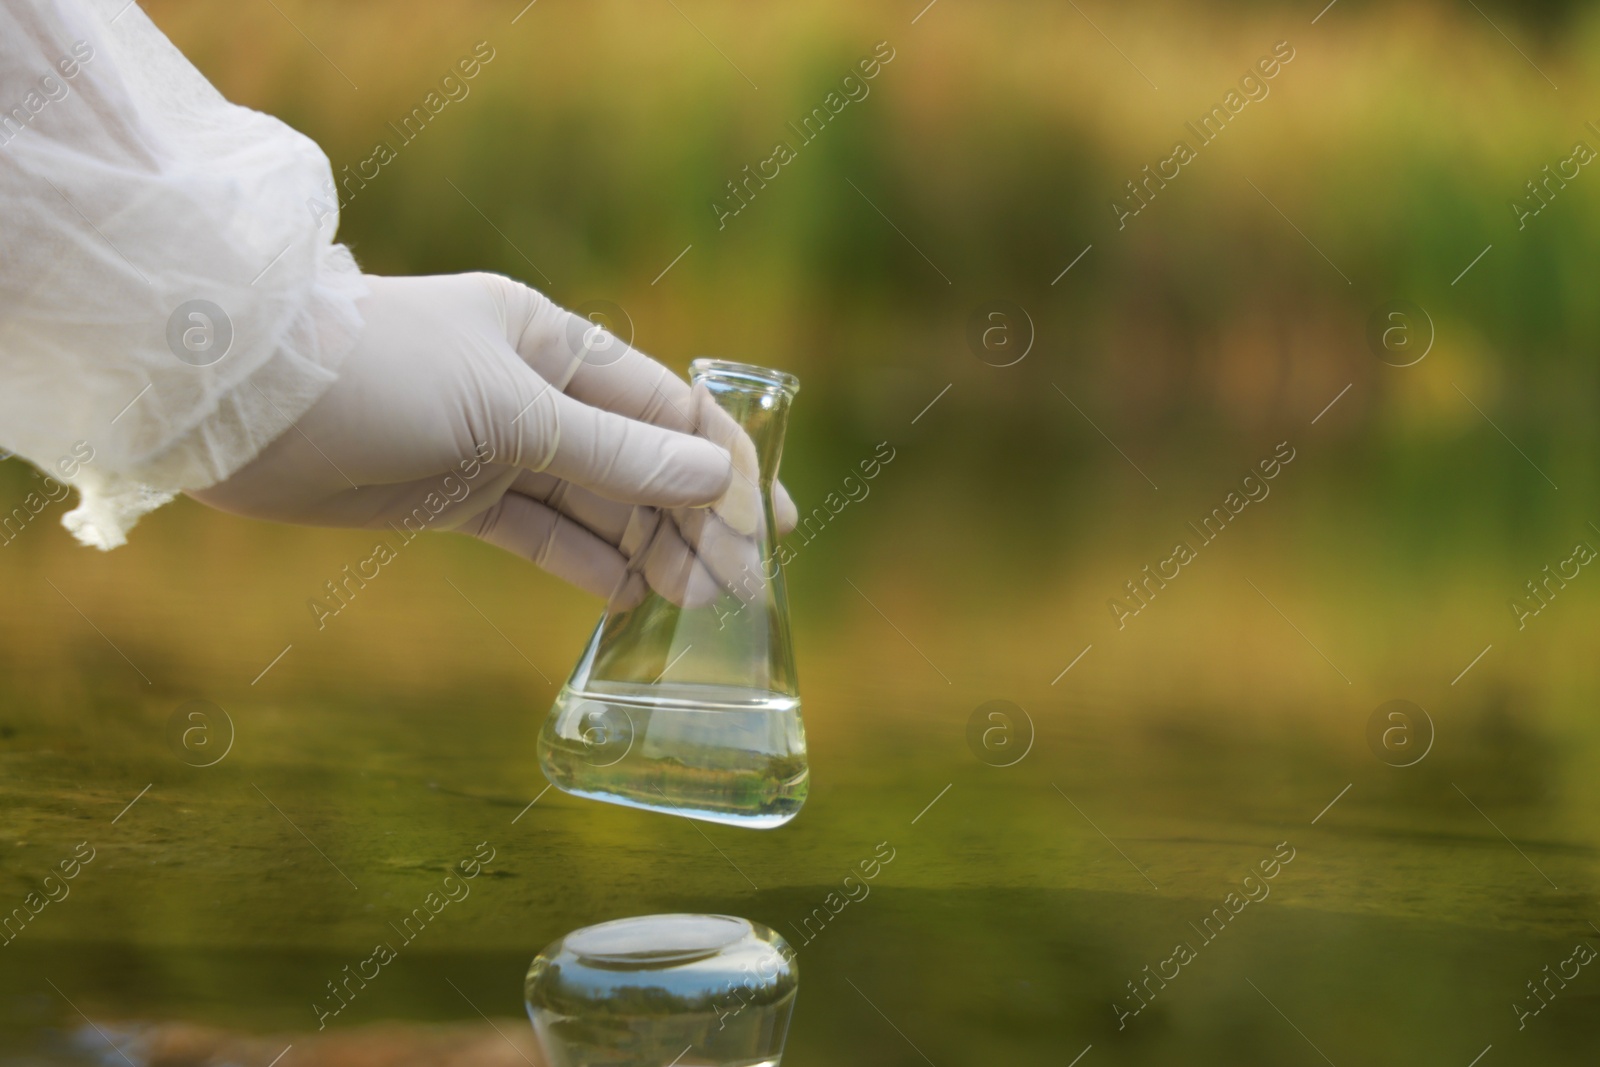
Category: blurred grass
[1197,338]
[599,136]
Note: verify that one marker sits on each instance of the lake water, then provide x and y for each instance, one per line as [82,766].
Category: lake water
[1185,840]
[1011,914]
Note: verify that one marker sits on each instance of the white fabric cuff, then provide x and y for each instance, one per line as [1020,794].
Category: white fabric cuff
[242,421]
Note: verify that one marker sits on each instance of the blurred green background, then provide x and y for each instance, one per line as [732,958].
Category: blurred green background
[1222,320]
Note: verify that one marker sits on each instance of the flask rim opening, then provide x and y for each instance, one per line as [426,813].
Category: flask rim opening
[746,375]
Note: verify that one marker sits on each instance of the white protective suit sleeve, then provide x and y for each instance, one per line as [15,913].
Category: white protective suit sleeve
[129,190]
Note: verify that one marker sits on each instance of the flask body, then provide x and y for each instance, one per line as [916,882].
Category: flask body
[685,700]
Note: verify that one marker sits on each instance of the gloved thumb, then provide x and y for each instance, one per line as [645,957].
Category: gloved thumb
[612,455]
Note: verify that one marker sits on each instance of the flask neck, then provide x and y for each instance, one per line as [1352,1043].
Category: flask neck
[758,399]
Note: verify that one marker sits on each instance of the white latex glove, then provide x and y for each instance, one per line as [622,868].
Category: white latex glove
[472,403]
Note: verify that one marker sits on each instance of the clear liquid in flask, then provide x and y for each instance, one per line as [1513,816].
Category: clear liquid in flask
[720,753]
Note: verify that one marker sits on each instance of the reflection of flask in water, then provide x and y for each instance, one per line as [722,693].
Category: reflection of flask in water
[690,990]
[685,700]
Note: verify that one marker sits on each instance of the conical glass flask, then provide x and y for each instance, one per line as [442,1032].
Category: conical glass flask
[685,700]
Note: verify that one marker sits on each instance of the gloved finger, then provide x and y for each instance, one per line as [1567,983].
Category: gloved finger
[679,407]
[623,525]
[673,404]
[674,570]
[740,505]
[652,545]
[556,544]
[733,559]
[587,361]
[630,527]
[785,513]
[617,457]
[696,410]
[591,364]
[612,520]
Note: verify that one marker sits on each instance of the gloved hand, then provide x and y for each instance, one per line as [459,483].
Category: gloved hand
[472,403]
